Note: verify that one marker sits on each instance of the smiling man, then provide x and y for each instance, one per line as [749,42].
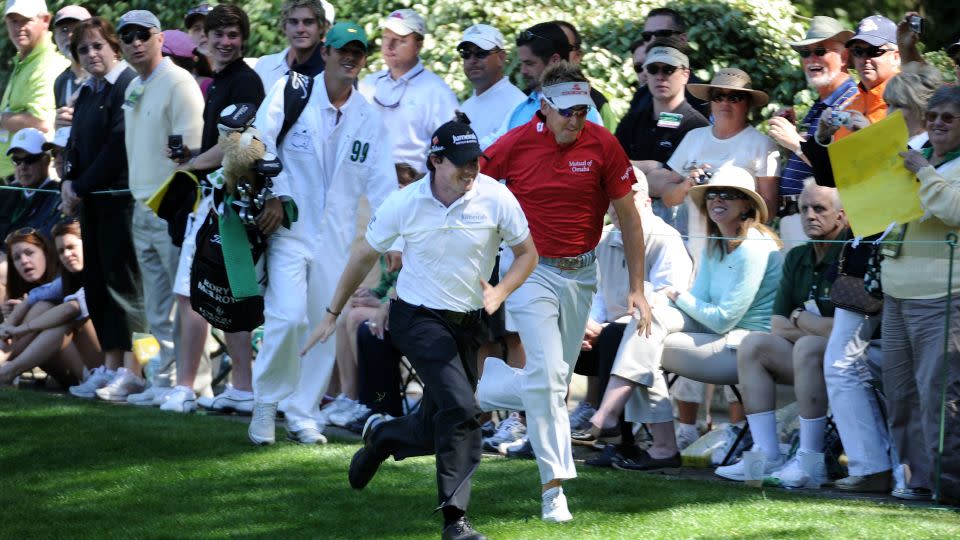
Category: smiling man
[304,22]
[824,59]
[335,152]
[28,99]
[494,96]
[565,171]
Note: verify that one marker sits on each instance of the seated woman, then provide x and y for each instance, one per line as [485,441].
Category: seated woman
[31,263]
[51,329]
[732,294]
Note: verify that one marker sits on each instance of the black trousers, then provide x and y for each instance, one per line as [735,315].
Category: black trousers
[447,422]
[111,277]
[378,369]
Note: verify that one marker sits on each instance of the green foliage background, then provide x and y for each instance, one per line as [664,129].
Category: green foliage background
[749,34]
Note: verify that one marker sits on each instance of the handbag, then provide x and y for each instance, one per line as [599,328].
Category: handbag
[849,292]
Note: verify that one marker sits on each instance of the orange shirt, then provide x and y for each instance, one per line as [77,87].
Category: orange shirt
[870,103]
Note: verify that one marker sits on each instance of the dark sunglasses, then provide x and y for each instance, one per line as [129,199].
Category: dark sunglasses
[580,111]
[819,51]
[726,195]
[20,233]
[648,35]
[931,116]
[480,54]
[638,68]
[128,36]
[732,97]
[869,52]
[655,70]
[30,159]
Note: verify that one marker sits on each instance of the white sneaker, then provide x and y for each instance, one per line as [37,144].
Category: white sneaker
[230,400]
[805,470]
[181,399]
[508,431]
[151,397]
[360,411]
[93,381]
[730,434]
[554,506]
[123,384]
[309,435]
[263,425]
[336,405]
[581,415]
[687,434]
[738,472]
[346,413]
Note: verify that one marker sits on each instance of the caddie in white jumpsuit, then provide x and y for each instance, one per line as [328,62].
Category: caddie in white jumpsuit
[336,152]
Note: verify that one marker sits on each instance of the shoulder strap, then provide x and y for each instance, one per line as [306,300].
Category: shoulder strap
[296,94]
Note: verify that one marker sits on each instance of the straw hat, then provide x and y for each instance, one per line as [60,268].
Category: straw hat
[821,29]
[730,176]
[730,79]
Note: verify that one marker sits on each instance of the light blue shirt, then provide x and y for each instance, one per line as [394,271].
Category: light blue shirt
[522,114]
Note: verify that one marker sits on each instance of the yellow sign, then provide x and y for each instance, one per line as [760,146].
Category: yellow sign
[875,188]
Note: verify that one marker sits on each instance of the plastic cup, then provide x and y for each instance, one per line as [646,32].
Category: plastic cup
[753,465]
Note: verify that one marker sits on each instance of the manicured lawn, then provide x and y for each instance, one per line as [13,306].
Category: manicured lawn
[73,469]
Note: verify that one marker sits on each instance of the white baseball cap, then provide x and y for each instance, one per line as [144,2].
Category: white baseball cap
[328,11]
[405,21]
[29,140]
[59,139]
[568,94]
[484,36]
[71,13]
[27,8]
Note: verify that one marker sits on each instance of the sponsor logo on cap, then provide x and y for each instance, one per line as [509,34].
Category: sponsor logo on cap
[469,138]
[868,25]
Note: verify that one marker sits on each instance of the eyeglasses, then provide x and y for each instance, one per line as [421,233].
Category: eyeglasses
[726,195]
[638,68]
[479,54]
[30,159]
[128,36]
[655,69]
[20,233]
[732,97]
[869,52]
[648,35]
[819,51]
[83,50]
[932,116]
[579,111]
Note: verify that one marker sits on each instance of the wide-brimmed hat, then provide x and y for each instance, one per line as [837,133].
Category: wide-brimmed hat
[730,79]
[731,176]
[952,50]
[823,28]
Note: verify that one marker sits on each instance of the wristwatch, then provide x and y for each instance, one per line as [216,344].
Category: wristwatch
[795,315]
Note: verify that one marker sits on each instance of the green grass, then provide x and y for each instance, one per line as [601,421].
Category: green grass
[75,469]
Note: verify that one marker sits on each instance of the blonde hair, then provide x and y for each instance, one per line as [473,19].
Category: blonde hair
[752,221]
[319,11]
[912,87]
[561,72]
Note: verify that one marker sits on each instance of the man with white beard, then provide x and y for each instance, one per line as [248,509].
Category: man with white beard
[824,58]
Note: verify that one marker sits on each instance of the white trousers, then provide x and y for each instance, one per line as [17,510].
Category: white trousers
[850,363]
[300,285]
[550,310]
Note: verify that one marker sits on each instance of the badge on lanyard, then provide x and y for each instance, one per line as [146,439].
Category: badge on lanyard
[133,98]
[669,120]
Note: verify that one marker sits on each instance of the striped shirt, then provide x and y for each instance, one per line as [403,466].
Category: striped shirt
[796,170]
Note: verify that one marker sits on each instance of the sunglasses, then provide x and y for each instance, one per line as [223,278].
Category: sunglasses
[638,68]
[732,97]
[480,54]
[30,159]
[527,35]
[724,195]
[83,50]
[580,111]
[20,233]
[655,70]
[129,36]
[819,51]
[648,35]
[931,116]
[869,52]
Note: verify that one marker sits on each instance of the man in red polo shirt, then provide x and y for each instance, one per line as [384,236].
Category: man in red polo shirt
[565,171]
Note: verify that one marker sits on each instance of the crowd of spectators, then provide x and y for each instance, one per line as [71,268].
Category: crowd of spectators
[745,234]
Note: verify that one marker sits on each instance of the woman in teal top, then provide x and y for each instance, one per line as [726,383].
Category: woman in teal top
[732,294]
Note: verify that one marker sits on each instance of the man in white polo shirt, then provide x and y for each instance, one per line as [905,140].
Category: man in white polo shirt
[305,23]
[452,223]
[413,100]
[494,96]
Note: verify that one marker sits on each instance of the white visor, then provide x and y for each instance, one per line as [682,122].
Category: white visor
[567,95]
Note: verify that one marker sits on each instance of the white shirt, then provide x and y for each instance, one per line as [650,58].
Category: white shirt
[488,110]
[272,67]
[413,107]
[448,249]
[749,149]
[328,164]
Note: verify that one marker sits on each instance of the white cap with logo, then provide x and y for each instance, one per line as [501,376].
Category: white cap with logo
[29,140]
[484,36]
[405,21]
[568,94]
[26,8]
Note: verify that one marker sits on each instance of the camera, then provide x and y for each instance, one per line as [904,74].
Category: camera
[916,23]
[175,144]
[705,177]
[840,119]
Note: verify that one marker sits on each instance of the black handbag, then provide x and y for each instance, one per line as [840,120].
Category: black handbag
[850,292]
